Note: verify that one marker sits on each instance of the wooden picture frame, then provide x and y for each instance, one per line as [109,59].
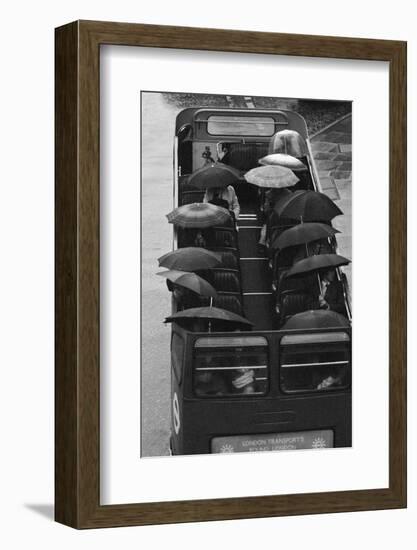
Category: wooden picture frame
[77,274]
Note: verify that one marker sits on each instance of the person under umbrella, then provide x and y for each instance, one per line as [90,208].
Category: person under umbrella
[218,179]
[305,239]
[276,180]
[187,288]
[330,295]
[223,196]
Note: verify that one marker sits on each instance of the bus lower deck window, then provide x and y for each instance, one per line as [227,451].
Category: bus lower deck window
[224,369]
[315,366]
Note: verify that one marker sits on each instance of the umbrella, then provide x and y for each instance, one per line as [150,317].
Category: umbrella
[281,159]
[214,175]
[272,177]
[190,259]
[310,206]
[302,234]
[289,142]
[208,314]
[316,318]
[198,214]
[192,281]
[315,263]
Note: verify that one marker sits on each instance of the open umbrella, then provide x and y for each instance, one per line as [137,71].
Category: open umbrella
[281,159]
[315,263]
[198,214]
[302,234]
[316,318]
[309,206]
[214,175]
[209,314]
[271,177]
[288,142]
[189,280]
[190,258]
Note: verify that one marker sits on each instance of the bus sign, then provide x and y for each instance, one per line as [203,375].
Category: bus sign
[315,439]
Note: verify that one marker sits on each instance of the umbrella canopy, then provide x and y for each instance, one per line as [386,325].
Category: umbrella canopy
[316,318]
[189,280]
[271,177]
[315,263]
[310,206]
[281,159]
[190,258]
[208,314]
[302,234]
[288,142]
[214,175]
[198,214]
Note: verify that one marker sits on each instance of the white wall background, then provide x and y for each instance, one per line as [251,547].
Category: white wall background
[26,276]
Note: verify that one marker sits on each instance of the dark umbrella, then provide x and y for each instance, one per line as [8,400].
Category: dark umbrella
[214,175]
[190,258]
[192,281]
[316,318]
[272,177]
[198,214]
[309,206]
[316,263]
[302,234]
[209,314]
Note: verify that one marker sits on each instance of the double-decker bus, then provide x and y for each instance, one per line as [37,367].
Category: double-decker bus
[290,404]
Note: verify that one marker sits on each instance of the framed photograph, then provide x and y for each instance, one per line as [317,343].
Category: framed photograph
[230,274]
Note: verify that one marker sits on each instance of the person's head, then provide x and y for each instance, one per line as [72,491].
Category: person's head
[330,275]
[199,239]
[178,292]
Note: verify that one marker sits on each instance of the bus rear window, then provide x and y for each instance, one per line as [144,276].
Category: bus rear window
[230,367]
[319,364]
[227,125]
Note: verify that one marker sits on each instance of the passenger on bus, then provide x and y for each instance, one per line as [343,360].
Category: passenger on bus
[321,246]
[226,193]
[210,382]
[330,382]
[184,298]
[331,293]
[269,199]
[243,381]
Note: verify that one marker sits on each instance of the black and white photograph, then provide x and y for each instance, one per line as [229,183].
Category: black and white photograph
[246,251]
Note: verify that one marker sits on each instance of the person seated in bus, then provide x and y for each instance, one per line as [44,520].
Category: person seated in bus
[268,200]
[331,293]
[228,194]
[243,381]
[330,382]
[321,246]
[184,298]
[210,382]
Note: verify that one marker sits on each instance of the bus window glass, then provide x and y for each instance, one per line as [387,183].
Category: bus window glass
[228,125]
[177,355]
[230,368]
[314,366]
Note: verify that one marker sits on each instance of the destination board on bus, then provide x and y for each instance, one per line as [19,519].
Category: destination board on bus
[316,439]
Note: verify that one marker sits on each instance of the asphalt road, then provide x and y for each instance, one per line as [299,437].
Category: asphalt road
[158,120]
